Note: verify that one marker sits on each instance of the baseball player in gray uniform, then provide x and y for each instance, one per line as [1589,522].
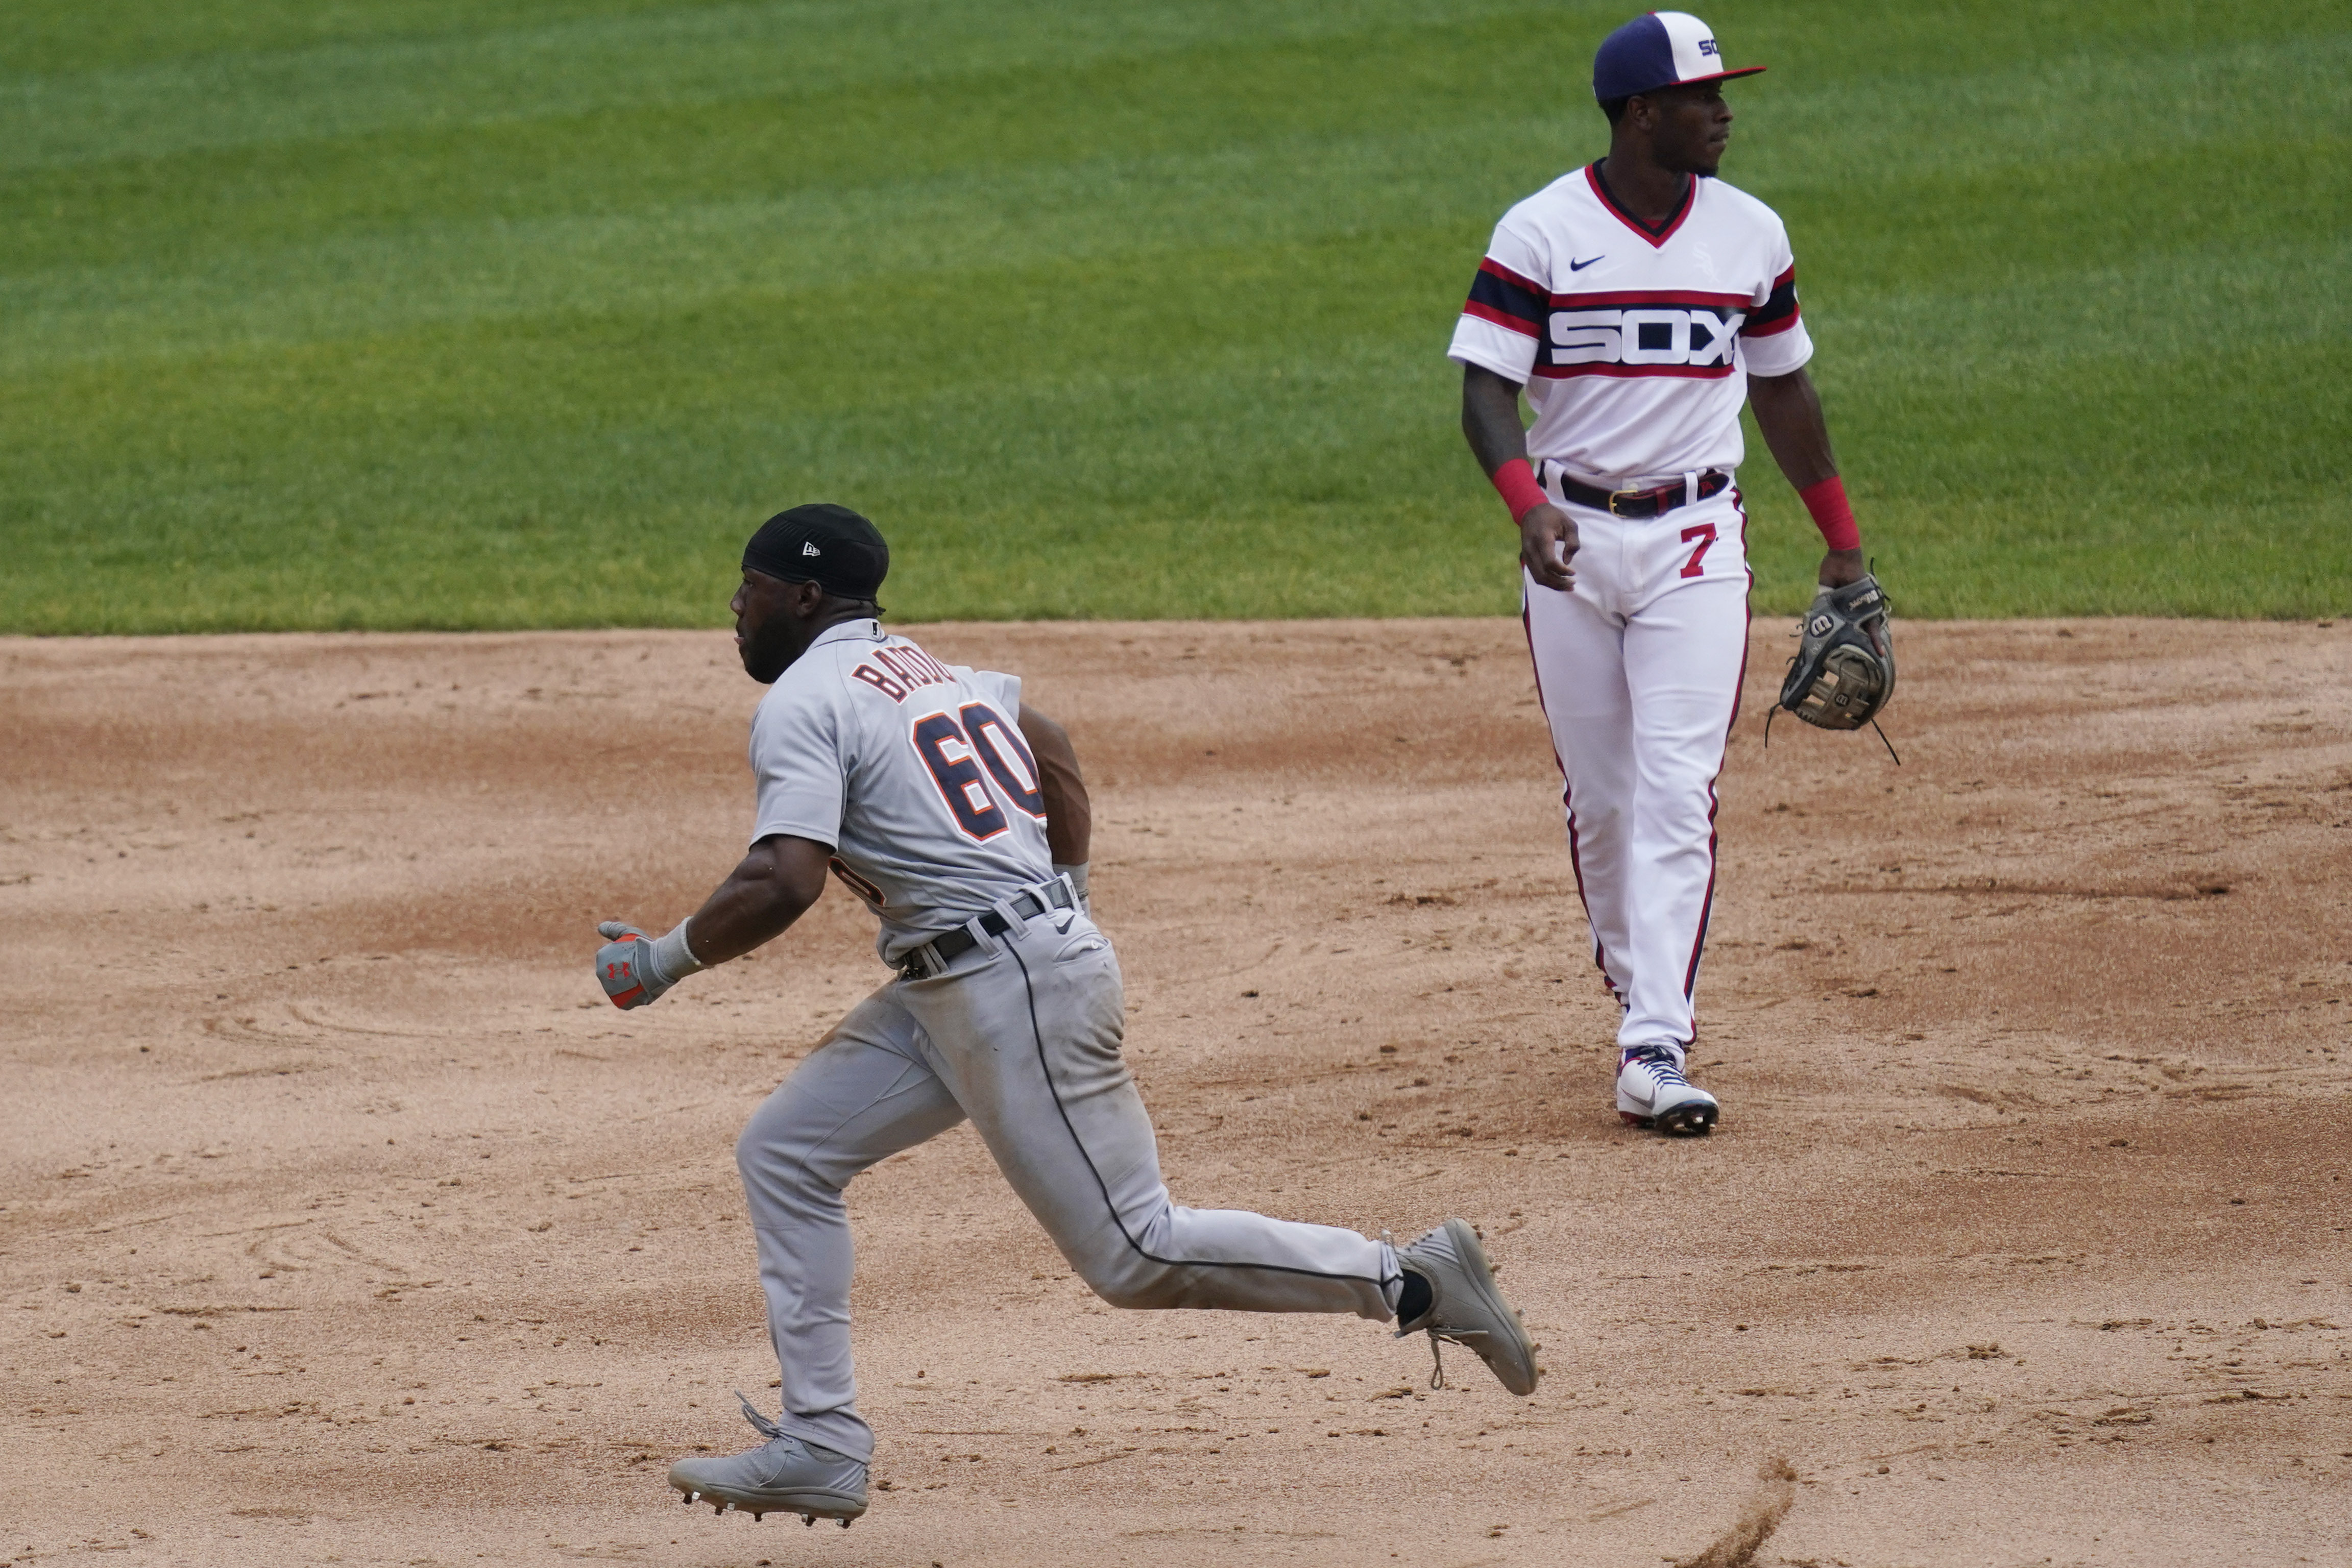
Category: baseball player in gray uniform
[957,814]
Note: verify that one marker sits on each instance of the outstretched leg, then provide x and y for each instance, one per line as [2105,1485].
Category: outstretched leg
[1028,1039]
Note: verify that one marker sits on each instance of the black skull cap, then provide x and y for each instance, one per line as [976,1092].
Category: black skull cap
[830,546]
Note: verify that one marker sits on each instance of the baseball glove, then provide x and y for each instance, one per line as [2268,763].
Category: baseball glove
[1844,668]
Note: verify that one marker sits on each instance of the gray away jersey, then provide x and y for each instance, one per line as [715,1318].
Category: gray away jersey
[914,772]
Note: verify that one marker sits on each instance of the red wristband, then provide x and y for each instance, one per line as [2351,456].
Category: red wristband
[1516,483]
[1832,513]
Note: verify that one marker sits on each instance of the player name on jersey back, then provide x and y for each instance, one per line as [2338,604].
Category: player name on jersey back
[1635,345]
[909,669]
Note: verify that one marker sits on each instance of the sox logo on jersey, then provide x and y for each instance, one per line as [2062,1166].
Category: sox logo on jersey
[1636,334]
[1631,333]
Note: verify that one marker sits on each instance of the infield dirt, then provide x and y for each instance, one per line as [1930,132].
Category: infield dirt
[344,1222]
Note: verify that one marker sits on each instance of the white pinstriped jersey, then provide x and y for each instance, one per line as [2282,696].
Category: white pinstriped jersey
[1636,345]
[914,772]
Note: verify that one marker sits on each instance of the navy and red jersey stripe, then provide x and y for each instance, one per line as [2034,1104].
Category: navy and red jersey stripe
[1779,312]
[1631,372]
[1508,300]
[1503,297]
[1604,300]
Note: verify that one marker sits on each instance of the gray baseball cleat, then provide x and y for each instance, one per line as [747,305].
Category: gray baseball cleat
[783,1475]
[1467,1308]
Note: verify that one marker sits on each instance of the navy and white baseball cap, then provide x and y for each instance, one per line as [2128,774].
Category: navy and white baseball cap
[1664,48]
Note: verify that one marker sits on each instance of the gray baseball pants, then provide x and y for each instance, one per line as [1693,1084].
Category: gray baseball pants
[1021,1035]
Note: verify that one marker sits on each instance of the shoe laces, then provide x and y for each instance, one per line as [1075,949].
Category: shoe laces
[1436,1332]
[1659,1059]
[760,1424]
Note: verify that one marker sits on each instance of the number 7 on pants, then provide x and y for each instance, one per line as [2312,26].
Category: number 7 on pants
[1705,534]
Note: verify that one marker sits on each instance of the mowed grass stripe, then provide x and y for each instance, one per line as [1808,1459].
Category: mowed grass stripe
[114,78]
[1150,325]
[1296,186]
[482,74]
[894,142]
[1135,125]
[1246,498]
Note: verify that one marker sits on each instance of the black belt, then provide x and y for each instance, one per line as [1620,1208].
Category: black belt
[933,956]
[1640,503]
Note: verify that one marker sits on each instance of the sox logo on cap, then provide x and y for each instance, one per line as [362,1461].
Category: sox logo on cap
[1664,48]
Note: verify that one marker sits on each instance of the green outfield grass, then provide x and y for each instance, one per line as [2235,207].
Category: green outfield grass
[523,312]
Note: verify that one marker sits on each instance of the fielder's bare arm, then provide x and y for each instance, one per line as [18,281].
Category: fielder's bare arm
[959,815]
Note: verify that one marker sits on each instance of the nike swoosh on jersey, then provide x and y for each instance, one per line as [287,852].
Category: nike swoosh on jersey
[1576,266]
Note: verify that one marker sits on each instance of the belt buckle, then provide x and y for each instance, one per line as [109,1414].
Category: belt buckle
[1614,495]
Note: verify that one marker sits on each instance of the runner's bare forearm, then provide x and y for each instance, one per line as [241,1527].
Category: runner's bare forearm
[774,885]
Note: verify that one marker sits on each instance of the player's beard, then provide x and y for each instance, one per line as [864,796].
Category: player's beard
[768,652]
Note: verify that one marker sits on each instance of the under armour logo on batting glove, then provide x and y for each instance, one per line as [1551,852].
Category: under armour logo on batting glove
[624,965]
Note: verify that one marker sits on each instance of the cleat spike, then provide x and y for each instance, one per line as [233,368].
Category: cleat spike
[717,1508]
[808,1520]
[757,1516]
[692,1497]
[844,1524]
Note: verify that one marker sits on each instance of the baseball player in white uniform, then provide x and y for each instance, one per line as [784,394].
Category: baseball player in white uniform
[1637,302]
[957,814]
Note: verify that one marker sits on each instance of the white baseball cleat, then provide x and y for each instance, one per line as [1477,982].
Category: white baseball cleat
[1653,1092]
[783,1475]
[1466,1307]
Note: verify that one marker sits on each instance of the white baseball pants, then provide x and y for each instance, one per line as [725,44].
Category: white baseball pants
[1638,668]
[1021,1036]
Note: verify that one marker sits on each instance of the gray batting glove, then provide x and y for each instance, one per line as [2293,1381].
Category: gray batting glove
[635,968]
[624,965]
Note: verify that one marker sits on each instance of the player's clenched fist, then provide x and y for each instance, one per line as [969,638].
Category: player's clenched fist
[635,968]
[624,965]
